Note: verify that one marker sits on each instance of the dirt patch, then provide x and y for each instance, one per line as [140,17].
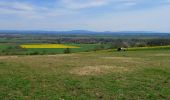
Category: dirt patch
[162,54]
[96,70]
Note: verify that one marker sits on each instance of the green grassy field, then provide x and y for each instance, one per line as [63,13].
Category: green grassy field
[106,75]
[15,49]
[150,48]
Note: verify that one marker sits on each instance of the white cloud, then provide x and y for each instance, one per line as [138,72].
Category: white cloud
[65,7]
[16,6]
[80,4]
[18,9]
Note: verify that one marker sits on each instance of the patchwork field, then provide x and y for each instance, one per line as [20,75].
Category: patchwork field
[106,75]
[43,49]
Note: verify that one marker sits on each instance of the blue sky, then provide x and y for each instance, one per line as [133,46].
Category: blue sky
[96,15]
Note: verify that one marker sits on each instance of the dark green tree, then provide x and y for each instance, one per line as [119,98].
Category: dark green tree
[67,51]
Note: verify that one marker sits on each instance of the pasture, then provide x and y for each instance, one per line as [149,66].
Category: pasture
[106,75]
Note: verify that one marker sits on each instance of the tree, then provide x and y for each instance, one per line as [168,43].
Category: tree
[67,51]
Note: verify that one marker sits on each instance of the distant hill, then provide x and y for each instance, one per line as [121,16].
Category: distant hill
[81,32]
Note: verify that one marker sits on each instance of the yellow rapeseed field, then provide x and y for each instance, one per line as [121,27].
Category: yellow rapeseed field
[31,46]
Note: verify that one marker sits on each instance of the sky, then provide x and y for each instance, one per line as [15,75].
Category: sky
[94,15]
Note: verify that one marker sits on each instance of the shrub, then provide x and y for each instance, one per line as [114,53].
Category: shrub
[33,53]
[67,51]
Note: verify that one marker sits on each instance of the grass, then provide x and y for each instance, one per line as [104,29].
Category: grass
[106,75]
[149,48]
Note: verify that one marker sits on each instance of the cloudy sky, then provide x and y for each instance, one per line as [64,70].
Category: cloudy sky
[96,15]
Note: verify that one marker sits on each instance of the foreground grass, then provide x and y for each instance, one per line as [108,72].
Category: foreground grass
[87,76]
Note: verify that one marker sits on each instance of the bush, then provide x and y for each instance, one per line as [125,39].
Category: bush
[67,51]
[33,53]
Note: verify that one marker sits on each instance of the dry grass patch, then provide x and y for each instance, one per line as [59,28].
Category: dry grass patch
[60,55]
[162,54]
[96,70]
[8,57]
[120,58]
[124,59]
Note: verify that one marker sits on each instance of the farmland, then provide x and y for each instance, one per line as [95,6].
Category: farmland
[11,43]
[36,67]
[42,49]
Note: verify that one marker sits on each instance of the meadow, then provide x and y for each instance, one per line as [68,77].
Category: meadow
[106,75]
